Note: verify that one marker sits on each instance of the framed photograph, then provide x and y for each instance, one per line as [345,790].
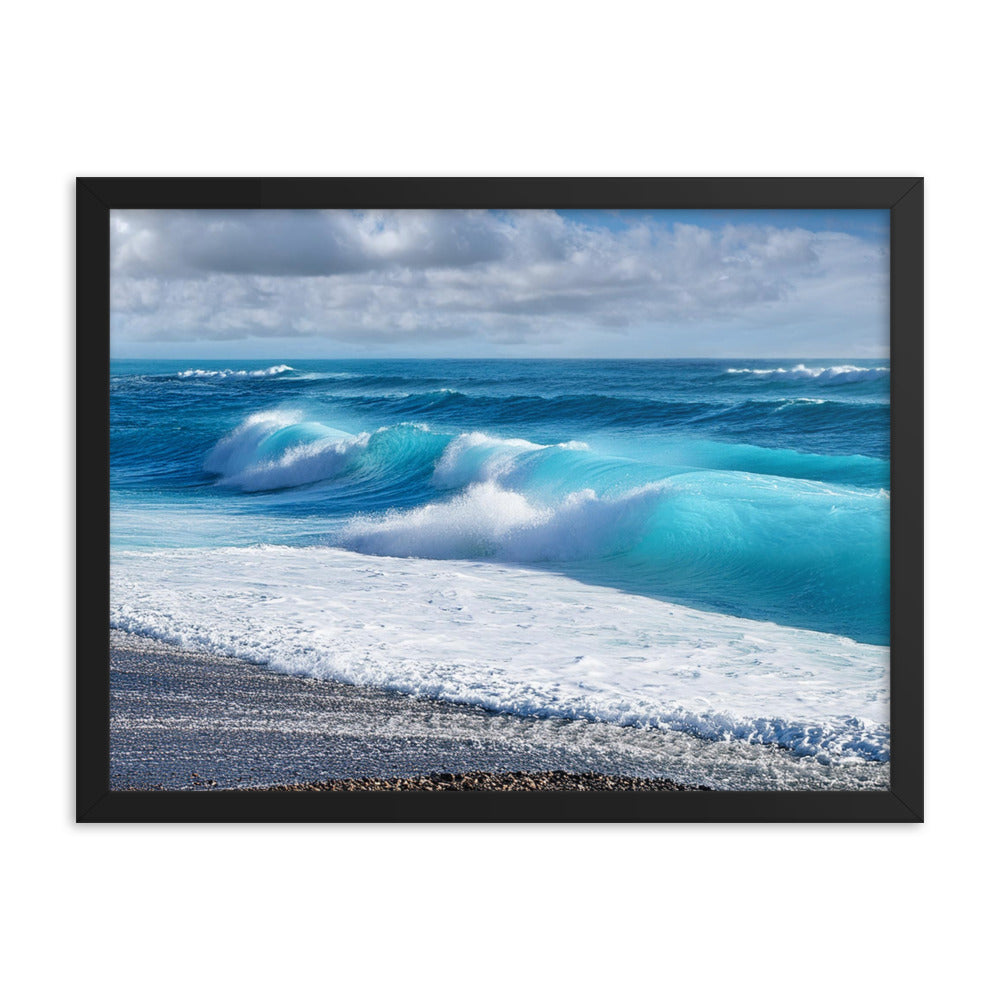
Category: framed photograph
[500,499]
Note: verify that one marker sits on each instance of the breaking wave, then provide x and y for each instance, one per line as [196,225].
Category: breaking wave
[834,374]
[234,373]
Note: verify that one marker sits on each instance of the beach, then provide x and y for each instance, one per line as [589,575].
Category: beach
[190,720]
[666,570]
[187,719]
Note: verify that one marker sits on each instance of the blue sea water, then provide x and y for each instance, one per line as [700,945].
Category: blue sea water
[757,489]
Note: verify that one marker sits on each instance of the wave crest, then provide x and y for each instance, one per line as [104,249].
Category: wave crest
[273,450]
[487,521]
[233,373]
[276,449]
[833,374]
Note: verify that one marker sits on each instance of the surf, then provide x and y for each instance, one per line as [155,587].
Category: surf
[515,640]
[744,492]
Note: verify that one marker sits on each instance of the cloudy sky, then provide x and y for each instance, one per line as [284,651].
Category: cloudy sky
[446,283]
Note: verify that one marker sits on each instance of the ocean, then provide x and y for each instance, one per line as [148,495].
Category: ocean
[694,546]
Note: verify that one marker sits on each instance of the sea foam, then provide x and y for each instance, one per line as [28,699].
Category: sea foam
[274,450]
[834,373]
[514,640]
[488,521]
[234,373]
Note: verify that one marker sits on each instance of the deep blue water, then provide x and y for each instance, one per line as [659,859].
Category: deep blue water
[756,488]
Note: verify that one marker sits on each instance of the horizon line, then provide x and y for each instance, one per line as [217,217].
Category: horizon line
[680,357]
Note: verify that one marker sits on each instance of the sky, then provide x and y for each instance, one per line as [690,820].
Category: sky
[279,285]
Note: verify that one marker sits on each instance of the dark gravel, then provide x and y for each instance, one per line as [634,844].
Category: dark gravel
[488,781]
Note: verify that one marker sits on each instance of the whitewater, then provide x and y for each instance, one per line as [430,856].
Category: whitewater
[698,547]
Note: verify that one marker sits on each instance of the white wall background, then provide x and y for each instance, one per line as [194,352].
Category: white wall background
[728,88]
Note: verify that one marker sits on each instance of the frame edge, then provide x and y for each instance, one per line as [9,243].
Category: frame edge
[903,197]
[906,702]
[93,302]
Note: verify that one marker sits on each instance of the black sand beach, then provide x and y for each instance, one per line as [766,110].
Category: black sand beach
[183,719]
[488,781]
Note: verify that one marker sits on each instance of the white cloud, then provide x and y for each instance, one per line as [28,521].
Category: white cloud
[422,281]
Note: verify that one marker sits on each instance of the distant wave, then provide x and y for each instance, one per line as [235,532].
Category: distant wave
[233,373]
[786,404]
[833,374]
[610,411]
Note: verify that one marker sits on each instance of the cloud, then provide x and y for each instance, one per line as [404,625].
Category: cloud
[180,244]
[426,278]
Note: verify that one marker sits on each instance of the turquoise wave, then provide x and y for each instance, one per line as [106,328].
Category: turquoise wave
[706,483]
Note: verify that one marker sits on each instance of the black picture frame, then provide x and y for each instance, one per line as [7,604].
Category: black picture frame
[97,197]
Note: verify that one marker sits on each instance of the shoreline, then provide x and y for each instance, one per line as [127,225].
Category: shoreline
[521,640]
[184,719]
[193,720]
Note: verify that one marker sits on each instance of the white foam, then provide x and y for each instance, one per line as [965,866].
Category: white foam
[231,373]
[237,449]
[238,460]
[514,640]
[298,466]
[488,521]
[802,401]
[835,373]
